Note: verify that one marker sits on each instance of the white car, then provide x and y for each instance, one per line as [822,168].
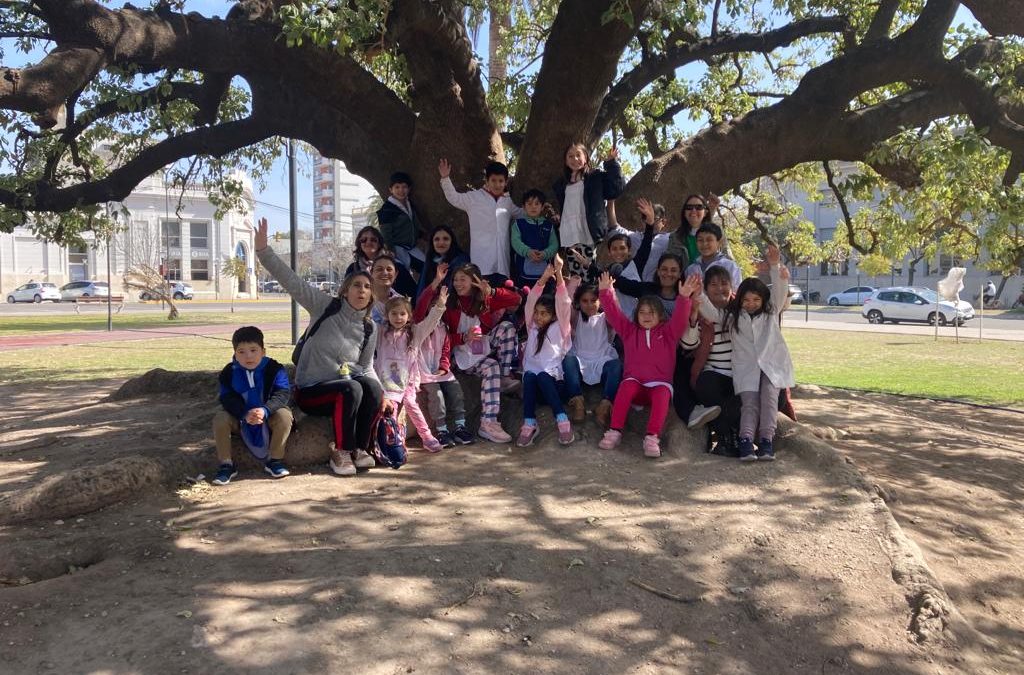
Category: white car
[851,296]
[34,291]
[904,303]
[84,289]
[178,290]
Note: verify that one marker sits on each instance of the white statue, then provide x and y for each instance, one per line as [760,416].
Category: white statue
[950,287]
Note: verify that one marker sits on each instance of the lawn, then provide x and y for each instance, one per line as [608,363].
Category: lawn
[122,360]
[988,372]
[97,320]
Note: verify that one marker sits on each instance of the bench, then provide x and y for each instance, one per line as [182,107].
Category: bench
[99,299]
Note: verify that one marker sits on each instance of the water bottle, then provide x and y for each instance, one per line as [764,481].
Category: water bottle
[476,344]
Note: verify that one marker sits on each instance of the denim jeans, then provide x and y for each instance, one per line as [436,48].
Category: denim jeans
[550,390]
[611,376]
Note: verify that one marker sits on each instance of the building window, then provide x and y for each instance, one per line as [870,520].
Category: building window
[200,270]
[78,263]
[199,235]
[831,268]
[174,269]
[947,262]
[170,234]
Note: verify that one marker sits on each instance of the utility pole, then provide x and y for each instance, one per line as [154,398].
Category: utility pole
[293,229]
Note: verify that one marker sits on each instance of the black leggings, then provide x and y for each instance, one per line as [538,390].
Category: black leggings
[683,397]
[352,404]
[716,389]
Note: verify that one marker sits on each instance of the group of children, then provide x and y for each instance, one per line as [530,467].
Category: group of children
[622,332]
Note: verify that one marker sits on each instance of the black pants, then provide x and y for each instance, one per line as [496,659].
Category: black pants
[683,397]
[352,404]
[716,389]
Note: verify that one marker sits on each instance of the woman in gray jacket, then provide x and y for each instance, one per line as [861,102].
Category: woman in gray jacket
[334,373]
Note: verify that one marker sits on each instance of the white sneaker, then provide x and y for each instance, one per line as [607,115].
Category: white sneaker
[341,462]
[492,431]
[364,461]
[701,416]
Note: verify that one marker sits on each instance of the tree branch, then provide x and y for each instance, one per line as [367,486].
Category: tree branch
[118,184]
[674,57]
[851,235]
[999,17]
[881,22]
[42,89]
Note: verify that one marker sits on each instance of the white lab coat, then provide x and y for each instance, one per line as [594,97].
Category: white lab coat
[758,346]
[489,222]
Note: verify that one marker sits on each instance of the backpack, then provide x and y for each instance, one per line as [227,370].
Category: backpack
[311,330]
[390,447]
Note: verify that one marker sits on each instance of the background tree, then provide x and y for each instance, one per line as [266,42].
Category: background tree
[707,96]
[235,269]
[142,250]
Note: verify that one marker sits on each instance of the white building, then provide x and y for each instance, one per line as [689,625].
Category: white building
[185,240]
[336,194]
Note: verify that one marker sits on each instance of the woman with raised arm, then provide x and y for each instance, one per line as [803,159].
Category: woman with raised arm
[334,372]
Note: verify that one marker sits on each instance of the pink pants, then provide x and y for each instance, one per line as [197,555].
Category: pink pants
[630,391]
[415,414]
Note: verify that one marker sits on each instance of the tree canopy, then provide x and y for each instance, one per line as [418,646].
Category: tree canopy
[922,110]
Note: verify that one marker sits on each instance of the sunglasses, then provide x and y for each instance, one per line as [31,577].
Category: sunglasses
[693,207]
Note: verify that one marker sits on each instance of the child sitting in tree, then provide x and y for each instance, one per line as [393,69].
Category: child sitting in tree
[709,244]
[549,338]
[490,212]
[254,393]
[534,240]
[649,344]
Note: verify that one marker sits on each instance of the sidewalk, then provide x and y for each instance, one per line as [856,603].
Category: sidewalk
[84,337]
[990,331]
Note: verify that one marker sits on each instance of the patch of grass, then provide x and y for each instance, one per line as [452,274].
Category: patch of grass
[112,360]
[92,320]
[987,372]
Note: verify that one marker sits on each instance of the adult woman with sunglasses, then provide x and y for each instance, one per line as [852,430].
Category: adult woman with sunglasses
[369,245]
[683,241]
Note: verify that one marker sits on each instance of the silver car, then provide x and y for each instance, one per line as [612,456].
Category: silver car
[84,289]
[34,291]
[904,303]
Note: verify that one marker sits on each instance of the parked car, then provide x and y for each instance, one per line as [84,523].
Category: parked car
[34,291]
[904,303]
[796,294]
[178,291]
[83,289]
[851,296]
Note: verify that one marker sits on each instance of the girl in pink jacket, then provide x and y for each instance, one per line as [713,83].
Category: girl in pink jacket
[398,357]
[649,345]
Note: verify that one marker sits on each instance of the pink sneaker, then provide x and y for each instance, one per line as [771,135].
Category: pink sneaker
[565,434]
[492,431]
[652,446]
[610,439]
[432,445]
[527,435]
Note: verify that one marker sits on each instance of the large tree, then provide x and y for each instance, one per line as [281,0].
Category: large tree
[386,84]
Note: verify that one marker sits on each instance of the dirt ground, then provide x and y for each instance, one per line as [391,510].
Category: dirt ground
[493,559]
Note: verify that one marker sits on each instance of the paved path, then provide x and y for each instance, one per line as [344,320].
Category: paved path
[84,337]
[991,329]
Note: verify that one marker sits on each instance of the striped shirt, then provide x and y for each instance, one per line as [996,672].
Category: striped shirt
[720,356]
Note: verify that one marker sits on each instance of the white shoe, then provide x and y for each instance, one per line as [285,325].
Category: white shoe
[341,462]
[364,461]
[701,416]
